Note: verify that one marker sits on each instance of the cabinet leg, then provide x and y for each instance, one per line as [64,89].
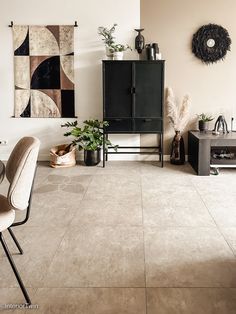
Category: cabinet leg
[161,147]
[106,151]
[103,152]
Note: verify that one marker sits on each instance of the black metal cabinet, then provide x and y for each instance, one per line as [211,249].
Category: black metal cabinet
[133,98]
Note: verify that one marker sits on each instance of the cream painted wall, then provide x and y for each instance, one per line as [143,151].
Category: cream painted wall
[89,51]
[172,23]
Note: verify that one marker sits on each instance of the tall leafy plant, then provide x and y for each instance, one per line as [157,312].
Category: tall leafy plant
[107,34]
[90,136]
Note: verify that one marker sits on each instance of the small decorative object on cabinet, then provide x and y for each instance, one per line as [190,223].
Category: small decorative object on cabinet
[203,122]
[118,51]
[150,52]
[211,43]
[139,40]
[133,102]
[220,126]
[89,138]
[156,51]
[178,117]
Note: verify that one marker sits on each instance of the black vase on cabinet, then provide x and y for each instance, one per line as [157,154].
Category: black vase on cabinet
[133,97]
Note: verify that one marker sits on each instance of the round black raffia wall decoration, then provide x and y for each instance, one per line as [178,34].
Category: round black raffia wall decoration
[211,43]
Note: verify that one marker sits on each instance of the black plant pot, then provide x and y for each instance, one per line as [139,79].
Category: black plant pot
[92,157]
[203,126]
[177,156]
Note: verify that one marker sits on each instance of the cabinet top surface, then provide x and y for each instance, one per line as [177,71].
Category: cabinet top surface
[209,136]
[150,61]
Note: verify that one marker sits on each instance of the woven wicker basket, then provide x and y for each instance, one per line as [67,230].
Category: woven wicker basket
[66,160]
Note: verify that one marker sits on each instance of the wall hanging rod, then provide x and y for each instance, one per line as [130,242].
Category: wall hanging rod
[11,24]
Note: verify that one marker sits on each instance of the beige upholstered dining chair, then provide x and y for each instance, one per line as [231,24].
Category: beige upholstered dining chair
[20,172]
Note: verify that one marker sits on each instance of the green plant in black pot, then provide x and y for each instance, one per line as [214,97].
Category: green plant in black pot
[203,122]
[90,139]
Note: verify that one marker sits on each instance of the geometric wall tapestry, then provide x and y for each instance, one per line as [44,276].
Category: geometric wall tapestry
[44,71]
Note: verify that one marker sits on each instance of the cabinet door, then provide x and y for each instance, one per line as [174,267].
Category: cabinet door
[148,89]
[117,89]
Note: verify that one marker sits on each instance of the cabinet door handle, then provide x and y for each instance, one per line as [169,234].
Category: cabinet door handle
[132,90]
[147,120]
[117,120]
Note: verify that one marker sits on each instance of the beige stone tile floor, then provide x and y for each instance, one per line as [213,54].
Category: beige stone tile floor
[132,238]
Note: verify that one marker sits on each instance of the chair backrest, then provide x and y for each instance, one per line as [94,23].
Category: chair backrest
[20,171]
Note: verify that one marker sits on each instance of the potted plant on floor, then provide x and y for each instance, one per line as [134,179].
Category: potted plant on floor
[203,122]
[90,139]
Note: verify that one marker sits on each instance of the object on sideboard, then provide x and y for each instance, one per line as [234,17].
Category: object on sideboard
[153,52]
[139,40]
[178,117]
[118,50]
[150,52]
[220,126]
[232,125]
[156,51]
[203,122]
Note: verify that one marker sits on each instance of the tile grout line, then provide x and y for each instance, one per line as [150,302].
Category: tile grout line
[217,226]
[144,253]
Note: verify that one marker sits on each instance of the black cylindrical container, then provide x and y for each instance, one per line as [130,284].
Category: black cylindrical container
[155,47]
[92,157]
[150,52]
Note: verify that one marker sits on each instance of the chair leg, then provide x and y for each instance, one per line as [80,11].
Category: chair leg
[16,241]
[13,266]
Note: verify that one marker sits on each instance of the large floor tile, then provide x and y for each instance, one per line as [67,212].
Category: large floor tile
[91,301]
[55,202]
[108,212]
[173,203]
[99,257]
[191,301]
[40,245]
[167,213]
[180,195]
[114,187]
[188,257]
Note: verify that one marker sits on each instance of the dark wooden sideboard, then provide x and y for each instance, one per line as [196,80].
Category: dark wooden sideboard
[202,147]
[133,93]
